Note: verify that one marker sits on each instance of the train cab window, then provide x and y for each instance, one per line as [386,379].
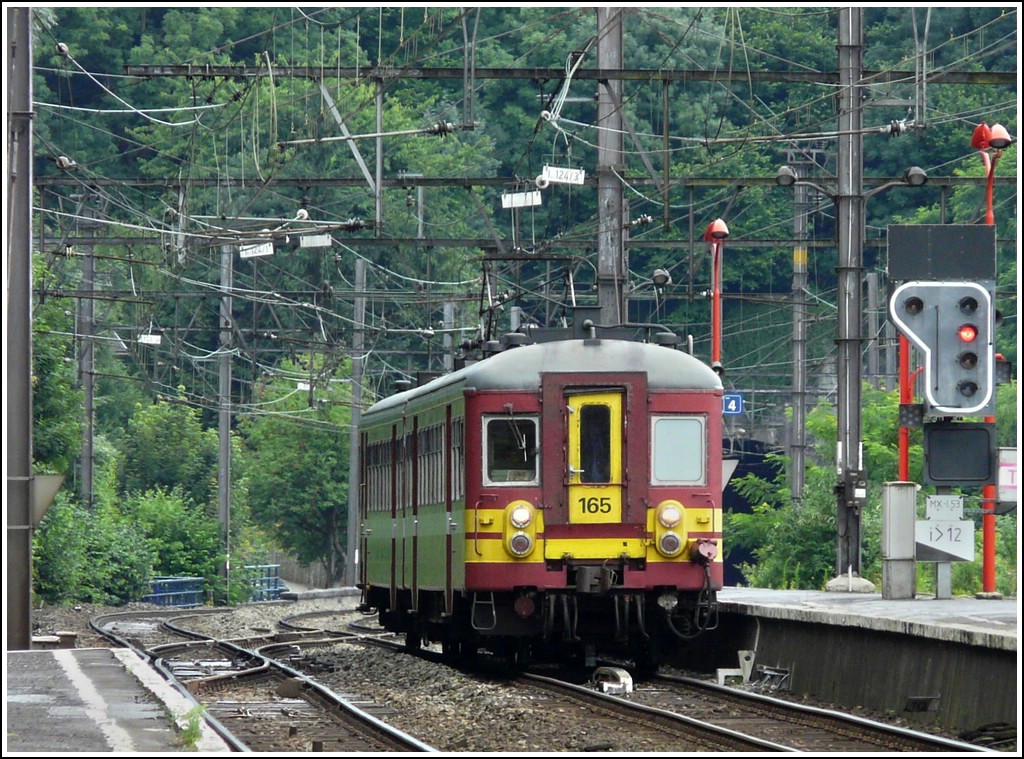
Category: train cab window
[511,445]
[678,450]
[595,443]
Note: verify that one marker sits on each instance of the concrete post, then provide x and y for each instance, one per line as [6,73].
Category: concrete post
[899,515]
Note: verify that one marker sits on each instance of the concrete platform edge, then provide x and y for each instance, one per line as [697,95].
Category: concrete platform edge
[953,634]
[176,703]
[305,595]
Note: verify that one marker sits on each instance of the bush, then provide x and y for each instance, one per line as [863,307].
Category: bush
[90,557]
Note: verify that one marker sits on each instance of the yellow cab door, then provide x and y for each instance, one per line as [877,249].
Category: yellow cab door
[595,479]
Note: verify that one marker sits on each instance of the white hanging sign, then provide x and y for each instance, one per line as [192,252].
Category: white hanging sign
[521,199]
[562,175]
[315,241]
[252,251]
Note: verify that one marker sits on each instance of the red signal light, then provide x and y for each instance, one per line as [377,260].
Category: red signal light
[968,333]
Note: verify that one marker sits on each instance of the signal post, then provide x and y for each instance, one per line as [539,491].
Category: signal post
[944,305]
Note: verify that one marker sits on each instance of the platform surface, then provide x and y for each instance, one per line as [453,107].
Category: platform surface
[94,700]
[971,621]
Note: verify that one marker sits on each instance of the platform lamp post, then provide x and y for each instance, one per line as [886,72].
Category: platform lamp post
[715,235]
[851,481]
[984,138]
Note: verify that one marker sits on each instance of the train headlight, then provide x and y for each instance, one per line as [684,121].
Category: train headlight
[670,514]
[670,544]
[521,516]
[520,544]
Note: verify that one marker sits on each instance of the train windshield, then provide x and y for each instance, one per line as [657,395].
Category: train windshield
[511,445]
[678,450]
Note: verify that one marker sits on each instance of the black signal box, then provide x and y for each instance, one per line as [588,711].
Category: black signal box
[960,454]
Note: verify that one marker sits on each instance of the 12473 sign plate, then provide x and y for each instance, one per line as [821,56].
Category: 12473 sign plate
[562,175]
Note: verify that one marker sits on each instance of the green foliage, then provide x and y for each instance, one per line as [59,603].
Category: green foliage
[56,401]
[167,447]
[298,475]
[93,557]
[190,735]
[794,545]
[186,542]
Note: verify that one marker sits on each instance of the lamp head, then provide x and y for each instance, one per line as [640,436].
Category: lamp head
[661,278]
[717,230]
[915,176]
[785,176]
[980,136]
[999,138]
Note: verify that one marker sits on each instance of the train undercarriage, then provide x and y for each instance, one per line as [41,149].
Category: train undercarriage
[527,625]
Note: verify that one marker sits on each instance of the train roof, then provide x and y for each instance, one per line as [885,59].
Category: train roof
[519,368]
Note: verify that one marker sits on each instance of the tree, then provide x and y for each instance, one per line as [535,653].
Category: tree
[56,402]
[167,447]
[298,453]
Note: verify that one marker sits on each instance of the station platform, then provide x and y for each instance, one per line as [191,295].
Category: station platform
[991,623]
[95,700]
[952,663]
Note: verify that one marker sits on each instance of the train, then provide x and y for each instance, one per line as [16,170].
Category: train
[555,500]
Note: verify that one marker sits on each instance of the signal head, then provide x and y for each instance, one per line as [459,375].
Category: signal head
[968,304]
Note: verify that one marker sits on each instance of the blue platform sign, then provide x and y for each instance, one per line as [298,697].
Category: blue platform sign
[732,403]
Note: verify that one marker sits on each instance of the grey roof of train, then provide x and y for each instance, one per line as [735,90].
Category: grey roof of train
[520,368]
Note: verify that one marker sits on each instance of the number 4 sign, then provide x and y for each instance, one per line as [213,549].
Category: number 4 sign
[732,403]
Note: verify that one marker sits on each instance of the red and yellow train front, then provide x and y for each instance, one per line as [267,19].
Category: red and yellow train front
[597,496]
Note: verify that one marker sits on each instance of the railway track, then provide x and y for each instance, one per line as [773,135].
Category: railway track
[801,727]
[278,691]
[145,630]
[254,701]
[686,707]
[647,724]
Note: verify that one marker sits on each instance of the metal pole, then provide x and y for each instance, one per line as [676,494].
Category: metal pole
[874,327]
[378,190]
[609,158]
[86,362]
[716,303]
[906,397]
[850,210]
[449,337]
[799,436]
[224,412]
[354,462]
[988,492]
[18,320]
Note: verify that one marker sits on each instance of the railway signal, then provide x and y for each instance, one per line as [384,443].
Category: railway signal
[952,323]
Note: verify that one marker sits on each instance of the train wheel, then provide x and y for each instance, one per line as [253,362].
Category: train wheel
[646,660]
[414,638]
[523,654]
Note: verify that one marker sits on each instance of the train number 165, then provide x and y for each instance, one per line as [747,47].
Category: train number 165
[595,505]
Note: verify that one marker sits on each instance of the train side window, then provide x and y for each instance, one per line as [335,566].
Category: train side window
[511,445]
[678,450]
